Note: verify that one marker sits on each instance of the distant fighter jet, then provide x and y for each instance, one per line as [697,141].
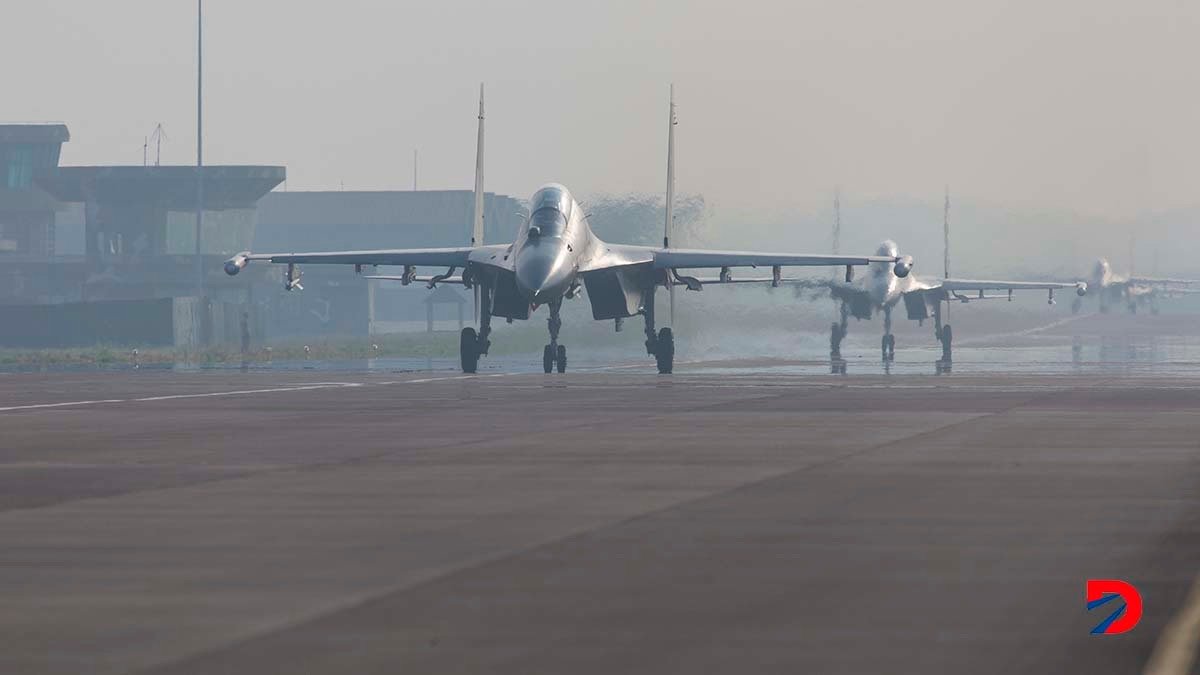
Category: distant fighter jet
[1134,291]
[555,256]
[881,291]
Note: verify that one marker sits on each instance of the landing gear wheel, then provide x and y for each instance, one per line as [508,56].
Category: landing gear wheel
[664,351]
[947,342]
[548,358]
[562,359]
[888,347]
[468,349]
[891,347]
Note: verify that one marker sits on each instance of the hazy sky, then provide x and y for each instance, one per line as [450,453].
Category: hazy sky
[1082,105]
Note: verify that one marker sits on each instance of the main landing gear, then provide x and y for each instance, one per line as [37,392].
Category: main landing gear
[472,345]
[554,355]
[888,343]
[943,334]
[947,340]
[660,345]
[837,333]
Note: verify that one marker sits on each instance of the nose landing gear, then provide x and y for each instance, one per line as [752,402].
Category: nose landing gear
[888,343]
[554,355]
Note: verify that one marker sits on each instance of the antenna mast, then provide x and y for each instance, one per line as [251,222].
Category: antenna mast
[158,136]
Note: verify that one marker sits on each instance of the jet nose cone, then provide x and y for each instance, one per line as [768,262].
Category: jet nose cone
[542,276]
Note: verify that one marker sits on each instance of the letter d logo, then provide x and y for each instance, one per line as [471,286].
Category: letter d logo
[1124,617]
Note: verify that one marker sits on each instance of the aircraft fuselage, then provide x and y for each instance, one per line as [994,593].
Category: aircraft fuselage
[550,245]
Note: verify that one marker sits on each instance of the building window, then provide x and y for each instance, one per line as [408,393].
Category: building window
[20,168]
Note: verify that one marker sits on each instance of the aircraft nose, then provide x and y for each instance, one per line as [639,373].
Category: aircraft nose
[541,275]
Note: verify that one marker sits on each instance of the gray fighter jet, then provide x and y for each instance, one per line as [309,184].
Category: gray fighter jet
[555,256]
[1135,291]
[881,290]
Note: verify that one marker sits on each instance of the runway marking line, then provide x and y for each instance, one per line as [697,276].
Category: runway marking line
[66,404]
[239,392]
[61,405]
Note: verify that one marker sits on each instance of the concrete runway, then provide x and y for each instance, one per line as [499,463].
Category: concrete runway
[590,522]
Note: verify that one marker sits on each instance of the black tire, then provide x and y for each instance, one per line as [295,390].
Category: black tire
[468,350]
[548,359]
[664,353]
[561,359]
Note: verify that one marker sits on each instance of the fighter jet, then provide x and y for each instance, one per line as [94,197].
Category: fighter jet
[556,255]
[1111,288]
[881,290]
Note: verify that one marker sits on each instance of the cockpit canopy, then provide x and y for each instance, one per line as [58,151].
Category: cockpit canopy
[550,212]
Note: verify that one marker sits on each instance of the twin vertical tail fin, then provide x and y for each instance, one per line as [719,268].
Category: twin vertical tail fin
[670,216]
[946,235]
[477,225]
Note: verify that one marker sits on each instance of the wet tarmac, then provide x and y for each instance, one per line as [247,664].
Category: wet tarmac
[739,516]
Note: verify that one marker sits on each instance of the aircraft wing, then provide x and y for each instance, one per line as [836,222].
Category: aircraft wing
[616,255]
[691,258]
[416,257]
[954,289]
[1157,281]
[952,285]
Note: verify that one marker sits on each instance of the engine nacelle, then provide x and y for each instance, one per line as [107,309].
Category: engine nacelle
[1081,289]
[904,265]
[236,263]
